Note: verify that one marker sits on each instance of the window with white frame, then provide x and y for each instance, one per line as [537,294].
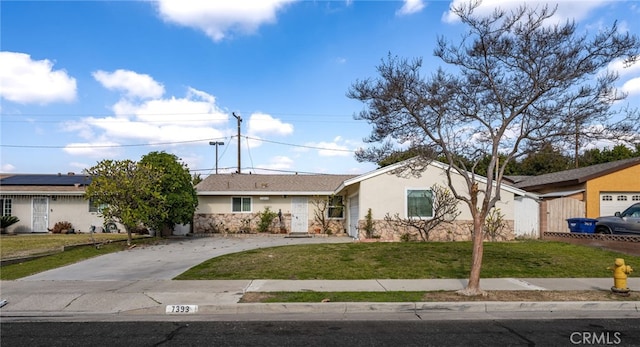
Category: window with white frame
[241,204]
[94,207]
[336,207]
[419,203]
[5,207]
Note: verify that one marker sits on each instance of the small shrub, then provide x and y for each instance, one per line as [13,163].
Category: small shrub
[369,224]
[405,237]
[60,226]
[495,225]
[6,221]
[266,219]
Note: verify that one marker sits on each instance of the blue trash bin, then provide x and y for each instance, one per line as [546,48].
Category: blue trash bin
[582,225]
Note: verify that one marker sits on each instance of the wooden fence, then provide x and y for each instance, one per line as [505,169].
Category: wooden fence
[561,209]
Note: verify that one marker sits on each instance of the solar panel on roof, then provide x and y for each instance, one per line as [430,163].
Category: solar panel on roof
[45,180]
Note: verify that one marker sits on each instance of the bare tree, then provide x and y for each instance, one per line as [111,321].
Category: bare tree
[321,205]
[444,210]
[515,80]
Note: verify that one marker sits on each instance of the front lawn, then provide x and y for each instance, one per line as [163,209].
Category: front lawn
[412,260]
[74,255]
[13,246]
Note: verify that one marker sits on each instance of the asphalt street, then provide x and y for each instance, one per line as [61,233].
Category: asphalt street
[570,332]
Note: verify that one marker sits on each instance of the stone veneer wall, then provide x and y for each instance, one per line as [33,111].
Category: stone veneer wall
[336,226]
[248,222]
[456,231]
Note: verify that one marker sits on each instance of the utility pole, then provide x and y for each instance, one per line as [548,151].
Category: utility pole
[216,143]
[239,121]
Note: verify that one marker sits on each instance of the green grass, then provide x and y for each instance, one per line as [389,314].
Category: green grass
[30,267]
[413,260]
[29,244]
[344,296]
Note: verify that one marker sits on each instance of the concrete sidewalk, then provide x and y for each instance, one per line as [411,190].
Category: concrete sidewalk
[135,299]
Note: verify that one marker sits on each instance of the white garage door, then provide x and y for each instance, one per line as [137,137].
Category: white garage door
[610,203]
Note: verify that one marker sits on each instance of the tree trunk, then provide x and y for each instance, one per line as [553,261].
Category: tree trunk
[473,287]
[128,235]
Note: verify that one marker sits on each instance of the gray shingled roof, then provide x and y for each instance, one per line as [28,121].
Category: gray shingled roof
[575,176]
[229,183]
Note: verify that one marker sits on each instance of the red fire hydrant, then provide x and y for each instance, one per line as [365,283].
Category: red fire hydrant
[620,272]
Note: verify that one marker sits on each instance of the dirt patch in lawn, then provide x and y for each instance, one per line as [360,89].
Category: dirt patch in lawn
[503,295]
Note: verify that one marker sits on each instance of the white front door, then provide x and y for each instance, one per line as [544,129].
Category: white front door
[40,214]
[299,215]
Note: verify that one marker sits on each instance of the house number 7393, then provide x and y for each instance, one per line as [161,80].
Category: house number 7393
[181,309]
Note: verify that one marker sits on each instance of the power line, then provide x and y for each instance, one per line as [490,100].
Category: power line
[87,115]
[301,146]
[175,143]
[249,151]
[230,169]
[105,146]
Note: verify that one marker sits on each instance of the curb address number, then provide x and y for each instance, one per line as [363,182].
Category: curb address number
[181,309]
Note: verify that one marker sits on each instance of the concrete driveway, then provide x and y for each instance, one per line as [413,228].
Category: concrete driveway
[164,262]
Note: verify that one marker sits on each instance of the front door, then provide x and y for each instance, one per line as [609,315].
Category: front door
[40,214]
[299,215]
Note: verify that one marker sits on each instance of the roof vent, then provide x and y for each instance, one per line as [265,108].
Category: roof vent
[71,173]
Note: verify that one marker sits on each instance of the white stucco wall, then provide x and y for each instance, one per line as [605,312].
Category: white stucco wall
[386,193]
[73,209]
[223,204]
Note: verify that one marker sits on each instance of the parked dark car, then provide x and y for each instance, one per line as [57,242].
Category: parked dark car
[627,222]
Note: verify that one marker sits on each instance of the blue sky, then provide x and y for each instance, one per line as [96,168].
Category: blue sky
[83,81]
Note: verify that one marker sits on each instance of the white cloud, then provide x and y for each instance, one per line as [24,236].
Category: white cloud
[567,10]
[8,168]
[197,109]
[331,149]
[278,163]
[410,7]
[632,86]
[170,121]
[98,149]
[623,69]
[218,18]
[27,81]
[132,83]
[264,124]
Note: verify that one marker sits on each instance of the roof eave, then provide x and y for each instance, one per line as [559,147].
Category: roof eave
[263,193]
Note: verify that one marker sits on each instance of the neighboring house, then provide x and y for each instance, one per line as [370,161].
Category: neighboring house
[40,201]
[592,191]
[232,202]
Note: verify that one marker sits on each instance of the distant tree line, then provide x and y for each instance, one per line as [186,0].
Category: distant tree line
[546,159]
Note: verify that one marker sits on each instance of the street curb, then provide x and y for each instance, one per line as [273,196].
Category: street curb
[401,307]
